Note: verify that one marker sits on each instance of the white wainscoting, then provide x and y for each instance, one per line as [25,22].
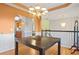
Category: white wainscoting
[6,42]
[66,38]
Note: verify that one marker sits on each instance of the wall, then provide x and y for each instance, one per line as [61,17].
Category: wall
[7,15]
[66,37]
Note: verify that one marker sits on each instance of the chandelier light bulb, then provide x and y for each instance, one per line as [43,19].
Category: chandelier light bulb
[30,11]
[46,11]
[34,13]
[37,7]
[38,11]
[31,8]
[43,9]
[17,29]
[17,18]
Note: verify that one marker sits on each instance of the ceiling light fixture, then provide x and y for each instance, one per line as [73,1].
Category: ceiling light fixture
[63,24]
[17,18]
[18,22]
[38,11]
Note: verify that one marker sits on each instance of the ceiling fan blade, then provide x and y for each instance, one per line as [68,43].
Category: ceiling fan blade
[59,7]
[22,5]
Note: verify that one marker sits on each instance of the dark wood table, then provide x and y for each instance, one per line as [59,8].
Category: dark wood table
[39,43]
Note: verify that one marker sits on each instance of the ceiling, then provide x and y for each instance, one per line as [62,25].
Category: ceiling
[45,5]
[70,11]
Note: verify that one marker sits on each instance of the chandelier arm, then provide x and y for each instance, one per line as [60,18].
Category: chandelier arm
[38,11]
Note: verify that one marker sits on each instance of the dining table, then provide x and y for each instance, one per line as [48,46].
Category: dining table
[39,43]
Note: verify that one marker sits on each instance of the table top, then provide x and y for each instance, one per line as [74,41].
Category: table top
[39,42]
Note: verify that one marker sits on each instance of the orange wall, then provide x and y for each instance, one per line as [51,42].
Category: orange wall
[7,15]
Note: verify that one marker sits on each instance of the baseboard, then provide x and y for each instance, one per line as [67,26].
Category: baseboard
[5,52]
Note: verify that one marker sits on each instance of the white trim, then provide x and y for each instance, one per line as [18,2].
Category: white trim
[37,33]
[2,51]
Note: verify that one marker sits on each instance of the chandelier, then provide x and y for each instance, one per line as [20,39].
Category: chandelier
[38,11]
[18,22]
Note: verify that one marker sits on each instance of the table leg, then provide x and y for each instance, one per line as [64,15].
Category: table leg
[16,48]
[59,48]
[41,52]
